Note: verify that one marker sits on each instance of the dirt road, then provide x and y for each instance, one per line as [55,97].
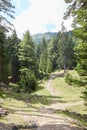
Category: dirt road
[45,118]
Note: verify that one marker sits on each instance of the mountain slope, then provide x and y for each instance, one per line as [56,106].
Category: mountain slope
[48,35]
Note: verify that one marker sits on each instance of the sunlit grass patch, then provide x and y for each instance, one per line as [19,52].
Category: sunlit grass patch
[30,103]
[41,90]
[12,118]
[82,109]
[67,92]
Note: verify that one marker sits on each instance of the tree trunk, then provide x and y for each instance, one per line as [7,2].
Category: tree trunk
[64,64]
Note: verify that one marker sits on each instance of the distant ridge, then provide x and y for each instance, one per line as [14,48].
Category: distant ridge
[37,38]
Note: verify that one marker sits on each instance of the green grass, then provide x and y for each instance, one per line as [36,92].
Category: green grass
[68,93]
[79,109]
[26,102]
[41,97]
[41,90]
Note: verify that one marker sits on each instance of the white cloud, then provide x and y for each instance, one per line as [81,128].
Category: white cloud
[39,14]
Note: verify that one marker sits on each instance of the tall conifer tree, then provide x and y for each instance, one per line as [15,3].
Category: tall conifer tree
[79,11]
[6,8]
[14,59]
[3,58]
[78,8]
[43,58]
[28,63]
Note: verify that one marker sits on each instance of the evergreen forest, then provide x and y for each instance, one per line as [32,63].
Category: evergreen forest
[26,62]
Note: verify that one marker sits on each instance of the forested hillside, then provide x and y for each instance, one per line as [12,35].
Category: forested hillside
[28,60]
[48,35]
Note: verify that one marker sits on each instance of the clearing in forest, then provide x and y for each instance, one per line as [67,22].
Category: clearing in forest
[49,108]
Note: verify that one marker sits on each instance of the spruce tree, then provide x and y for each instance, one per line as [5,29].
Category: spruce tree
[49,64]
[43,58]
[28,63]
[13,55]
[79,11]
[52,54]
[66,45]
[3,59]
[6,9]
[63,47]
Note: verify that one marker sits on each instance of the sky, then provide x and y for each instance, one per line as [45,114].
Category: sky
[39,16]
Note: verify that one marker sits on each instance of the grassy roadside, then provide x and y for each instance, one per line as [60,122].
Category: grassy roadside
[28,103]
[68,93]
[71,93]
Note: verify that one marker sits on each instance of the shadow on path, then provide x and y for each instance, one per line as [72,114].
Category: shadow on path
[59,127]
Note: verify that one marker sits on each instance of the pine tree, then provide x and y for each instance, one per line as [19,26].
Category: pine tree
[27,52]
[81,53]
[28,63]
[43,58]
[63,47]
[14,59]
[52,54]
[3,58]
[49,64]
[6,9]
[66,51]
[79,11]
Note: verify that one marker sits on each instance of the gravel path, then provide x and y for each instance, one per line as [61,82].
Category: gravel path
[58,105]
[46,119]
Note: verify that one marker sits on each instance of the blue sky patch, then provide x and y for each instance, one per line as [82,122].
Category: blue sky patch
[20,6]
[50,26]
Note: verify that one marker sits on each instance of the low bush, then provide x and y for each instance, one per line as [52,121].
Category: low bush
[71,80]
[68,79]
[28,81]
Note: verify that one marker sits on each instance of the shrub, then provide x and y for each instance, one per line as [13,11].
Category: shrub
[28,81]
[68,79]
[74,80]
